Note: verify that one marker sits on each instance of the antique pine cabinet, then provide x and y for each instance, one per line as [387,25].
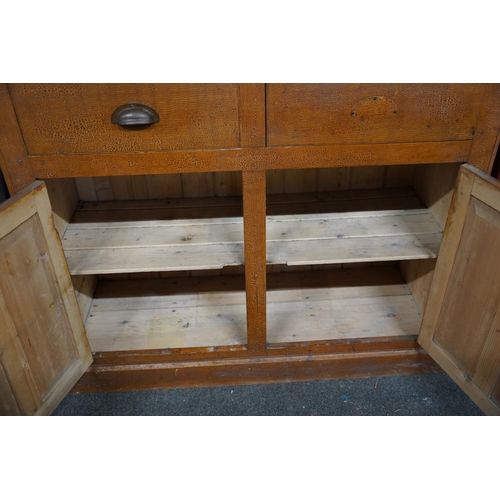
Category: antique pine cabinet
[167,235]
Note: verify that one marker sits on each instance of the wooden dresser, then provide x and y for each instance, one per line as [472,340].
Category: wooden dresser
[167,235]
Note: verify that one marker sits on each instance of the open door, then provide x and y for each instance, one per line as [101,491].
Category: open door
[461,324]
[43,347]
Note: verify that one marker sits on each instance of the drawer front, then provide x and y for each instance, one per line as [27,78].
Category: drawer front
[371,113]
[76,118]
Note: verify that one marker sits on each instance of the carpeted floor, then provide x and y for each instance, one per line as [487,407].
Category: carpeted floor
[434,394]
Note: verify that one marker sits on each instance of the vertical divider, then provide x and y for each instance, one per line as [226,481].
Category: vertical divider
[252,106]
[254,217]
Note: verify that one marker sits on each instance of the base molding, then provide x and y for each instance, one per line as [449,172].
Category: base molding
[250,369]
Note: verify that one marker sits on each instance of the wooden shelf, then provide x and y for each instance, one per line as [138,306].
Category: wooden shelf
[340,304]
[147,236]
[356,226]
[352,237]
[167,314]
[302,307]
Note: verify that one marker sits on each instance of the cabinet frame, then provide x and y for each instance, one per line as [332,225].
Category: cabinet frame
[255,362]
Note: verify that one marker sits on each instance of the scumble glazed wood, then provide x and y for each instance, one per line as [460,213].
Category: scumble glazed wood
[371,113]
[232,140]
[13,155]
[250,159]
[61,119]
[254,216]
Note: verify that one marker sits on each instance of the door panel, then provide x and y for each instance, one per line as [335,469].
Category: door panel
[43,347]
[461,324]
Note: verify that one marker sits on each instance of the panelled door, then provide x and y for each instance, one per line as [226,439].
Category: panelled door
[461,323]
[43,347]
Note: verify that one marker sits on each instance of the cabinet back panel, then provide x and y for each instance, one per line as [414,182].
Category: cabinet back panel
[153,187]
[157,187]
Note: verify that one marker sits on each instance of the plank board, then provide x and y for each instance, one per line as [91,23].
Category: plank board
[364,226]
[167,313]
[43,348]
[330,240]
[341,304]
[204,311]
[461,325]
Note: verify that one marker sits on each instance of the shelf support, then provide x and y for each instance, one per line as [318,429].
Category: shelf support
[254,217]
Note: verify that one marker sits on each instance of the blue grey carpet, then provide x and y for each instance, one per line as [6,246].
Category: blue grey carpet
[434,394]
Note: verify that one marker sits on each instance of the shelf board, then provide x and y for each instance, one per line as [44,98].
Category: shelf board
[149,236]
[353,237]
[167,314]
[340,304]
[302,307]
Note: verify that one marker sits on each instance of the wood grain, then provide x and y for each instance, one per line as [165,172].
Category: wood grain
[485,142]
[472,296]
[250,159]
[264,368]
[453,232]
[341,304]
[84,287]
[44,335]
[14,159]
[252,115]
[124,237]
[434,184]
[229,183]
[254,217]
[164,317]
[371,113]
[63,197]
[60,119]
[460,325]
[419,274]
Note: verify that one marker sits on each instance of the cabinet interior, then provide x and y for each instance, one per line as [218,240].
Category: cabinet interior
[158,261]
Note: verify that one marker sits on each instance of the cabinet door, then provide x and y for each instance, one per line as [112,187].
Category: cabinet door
[461,323]
[43,347]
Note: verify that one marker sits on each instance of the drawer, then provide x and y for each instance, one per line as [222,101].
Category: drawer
[76,118]
[305,114]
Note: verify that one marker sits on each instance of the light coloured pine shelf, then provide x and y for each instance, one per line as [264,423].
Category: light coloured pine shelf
[167,313]
[340,304]
[366,236]
[307,307]
[149,236]
[154,235]
[154,246]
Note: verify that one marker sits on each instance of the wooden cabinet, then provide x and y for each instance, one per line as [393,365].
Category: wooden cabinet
[257,235]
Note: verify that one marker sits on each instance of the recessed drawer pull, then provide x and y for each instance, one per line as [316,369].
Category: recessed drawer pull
[134,114]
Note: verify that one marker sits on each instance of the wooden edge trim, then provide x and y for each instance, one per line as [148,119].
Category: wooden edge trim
[447,253]
[62,275]
[250,159]
[466,384]
[16,162]
[19,208]
[253,370]
[487,134]
[58,391]
[240,351]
